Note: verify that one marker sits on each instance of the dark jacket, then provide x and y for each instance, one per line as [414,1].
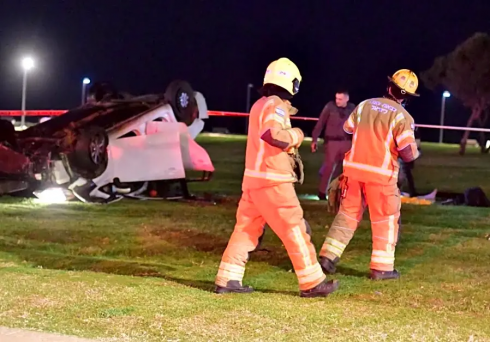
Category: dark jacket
[332,120]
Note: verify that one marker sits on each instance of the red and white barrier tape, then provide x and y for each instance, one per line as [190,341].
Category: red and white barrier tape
[32,112]
[227,114]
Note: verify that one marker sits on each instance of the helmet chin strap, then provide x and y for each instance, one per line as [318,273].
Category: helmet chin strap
[388,95]
[391,97]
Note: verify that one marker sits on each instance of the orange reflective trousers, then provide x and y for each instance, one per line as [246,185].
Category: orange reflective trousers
[279,207]
[384,205]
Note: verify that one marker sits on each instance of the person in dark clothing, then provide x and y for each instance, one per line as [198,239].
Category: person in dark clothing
[405,176]
[336,141]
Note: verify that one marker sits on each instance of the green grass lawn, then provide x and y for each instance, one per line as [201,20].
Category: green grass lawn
[144,271]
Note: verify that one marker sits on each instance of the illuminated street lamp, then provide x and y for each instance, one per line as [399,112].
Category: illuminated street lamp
[27,64]
[445,95]
[85,82]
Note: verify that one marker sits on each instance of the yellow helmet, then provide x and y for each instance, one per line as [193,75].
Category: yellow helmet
[406,80]
[283,73]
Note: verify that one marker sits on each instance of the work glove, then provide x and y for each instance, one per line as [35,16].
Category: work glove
[298,167]
[334,194]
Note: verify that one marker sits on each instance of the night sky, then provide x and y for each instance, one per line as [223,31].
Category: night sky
[221,46]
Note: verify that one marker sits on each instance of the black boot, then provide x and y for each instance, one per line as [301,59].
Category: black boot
[384,275]
[321,290]
[328,266]
[322,196]
[233,286]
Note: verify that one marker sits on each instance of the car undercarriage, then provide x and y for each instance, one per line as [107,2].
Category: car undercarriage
[115,146]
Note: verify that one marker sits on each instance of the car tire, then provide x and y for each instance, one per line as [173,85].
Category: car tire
[180,96]
[89,156]
[7,133]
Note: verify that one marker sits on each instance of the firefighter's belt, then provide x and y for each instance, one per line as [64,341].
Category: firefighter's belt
[346,138]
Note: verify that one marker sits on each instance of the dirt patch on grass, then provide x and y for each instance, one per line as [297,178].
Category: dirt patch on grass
[40,302]
[436,304]
[156,241]
[53,236]
[186,238]
[273,256]
[411,252]
[369,297]
[440,237]
[90,250]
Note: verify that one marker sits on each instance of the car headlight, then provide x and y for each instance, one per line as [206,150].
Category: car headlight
[51,195]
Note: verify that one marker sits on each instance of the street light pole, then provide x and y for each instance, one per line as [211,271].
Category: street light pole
[445,95]
[249,88]
[27,64]
[23,107]
[85,82]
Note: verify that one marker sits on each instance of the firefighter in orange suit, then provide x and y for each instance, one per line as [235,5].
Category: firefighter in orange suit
[383,131]
[268,194]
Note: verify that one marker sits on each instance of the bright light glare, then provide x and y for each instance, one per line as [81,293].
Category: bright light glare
[27,63]
[309,197]
[446,94]
[86,80]
[51,195]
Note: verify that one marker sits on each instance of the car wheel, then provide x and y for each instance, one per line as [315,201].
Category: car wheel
[180,96]
[89,156]
[7,133]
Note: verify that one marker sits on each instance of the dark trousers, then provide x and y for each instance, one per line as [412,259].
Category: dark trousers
[405,175]
[335,151]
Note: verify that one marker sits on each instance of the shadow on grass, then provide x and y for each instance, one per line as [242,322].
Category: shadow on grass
[209,286]
[59,261]
[56,261]
[351,272]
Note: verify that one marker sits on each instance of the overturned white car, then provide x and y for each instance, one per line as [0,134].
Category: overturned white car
[115,146]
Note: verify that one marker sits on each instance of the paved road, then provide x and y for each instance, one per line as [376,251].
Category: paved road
[19,335]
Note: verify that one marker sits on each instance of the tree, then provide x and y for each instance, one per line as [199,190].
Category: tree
[465,72]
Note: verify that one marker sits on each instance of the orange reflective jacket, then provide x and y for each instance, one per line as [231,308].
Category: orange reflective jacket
[269,139]
[381,128]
